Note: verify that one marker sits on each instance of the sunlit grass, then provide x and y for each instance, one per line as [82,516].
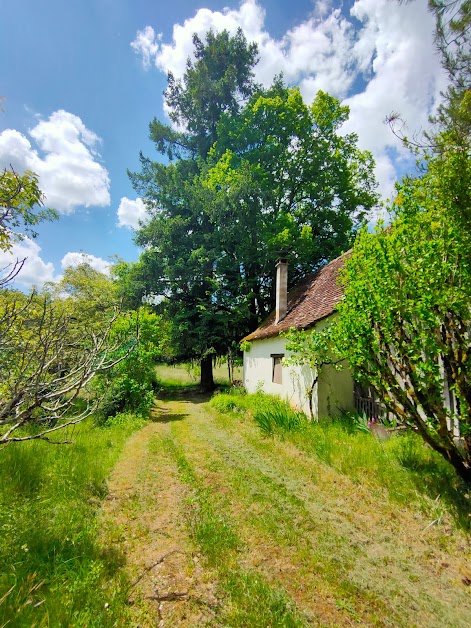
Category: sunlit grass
[404,465]
[52,569]
[188,375]
[249,599]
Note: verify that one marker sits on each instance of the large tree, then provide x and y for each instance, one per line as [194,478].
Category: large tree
[179,259]
[405,323]
[284,181]
[254,173]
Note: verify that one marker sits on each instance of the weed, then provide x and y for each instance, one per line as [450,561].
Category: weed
[279,417]
[225,403]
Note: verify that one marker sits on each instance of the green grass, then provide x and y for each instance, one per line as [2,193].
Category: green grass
[409,470]
[187,376]
[271,414]
[52,569]
[248,598]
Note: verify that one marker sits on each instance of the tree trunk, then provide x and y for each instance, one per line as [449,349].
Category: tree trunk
[207,380]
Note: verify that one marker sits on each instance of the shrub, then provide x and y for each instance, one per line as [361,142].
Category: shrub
[129,386]
[233,401]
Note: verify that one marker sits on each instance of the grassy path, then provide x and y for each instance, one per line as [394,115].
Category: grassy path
[221,527]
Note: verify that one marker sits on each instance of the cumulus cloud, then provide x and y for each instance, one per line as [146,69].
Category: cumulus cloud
[72,260]
[395,47]
[35,271]
[64,156]
[379,59]
[130,213]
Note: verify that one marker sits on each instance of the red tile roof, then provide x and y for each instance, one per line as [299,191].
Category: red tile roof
[314,298]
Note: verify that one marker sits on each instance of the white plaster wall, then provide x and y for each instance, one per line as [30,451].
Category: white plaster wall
[332,395]
[258,365]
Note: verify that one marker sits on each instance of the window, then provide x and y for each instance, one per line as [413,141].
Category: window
[277,377]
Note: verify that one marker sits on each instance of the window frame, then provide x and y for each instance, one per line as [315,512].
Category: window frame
[277,368]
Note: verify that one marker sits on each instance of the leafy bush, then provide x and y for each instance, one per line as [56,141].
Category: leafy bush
[133,420]
[130,385]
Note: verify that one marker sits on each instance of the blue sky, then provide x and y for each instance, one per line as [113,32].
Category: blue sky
[82,79]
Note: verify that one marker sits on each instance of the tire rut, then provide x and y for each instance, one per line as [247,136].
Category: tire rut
[143,518]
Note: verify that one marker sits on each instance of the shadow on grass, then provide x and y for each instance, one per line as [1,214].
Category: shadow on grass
[159,415]
[182,392]
[432,476]
[443,485]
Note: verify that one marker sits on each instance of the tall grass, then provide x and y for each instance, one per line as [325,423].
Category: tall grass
[271,414]
[410,471]
[53,570]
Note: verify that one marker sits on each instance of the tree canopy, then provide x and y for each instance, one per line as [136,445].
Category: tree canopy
[21,200]
[252,173]
[49,351]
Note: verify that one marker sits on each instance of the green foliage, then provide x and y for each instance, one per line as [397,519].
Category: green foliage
[257,171]
[215,83]
[225,403]
[20,202]
[312,349]
[129,386]
[279,417]
[404,324]
[51,347]
[272,414]
[53,570]
[405,320]
[245,346]
[282,170]
[452,38]
[357,422]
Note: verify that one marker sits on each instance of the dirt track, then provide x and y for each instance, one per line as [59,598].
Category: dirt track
[315,548]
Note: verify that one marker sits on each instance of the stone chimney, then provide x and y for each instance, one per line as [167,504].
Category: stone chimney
[281,290]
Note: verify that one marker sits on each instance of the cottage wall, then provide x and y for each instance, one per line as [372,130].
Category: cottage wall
[333,394]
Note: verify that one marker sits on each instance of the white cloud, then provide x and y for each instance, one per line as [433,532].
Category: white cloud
[72,260]
[35,272]
[145,44]
[316,45]
[65,159]
[395,46]
[379,60]
[131,212]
